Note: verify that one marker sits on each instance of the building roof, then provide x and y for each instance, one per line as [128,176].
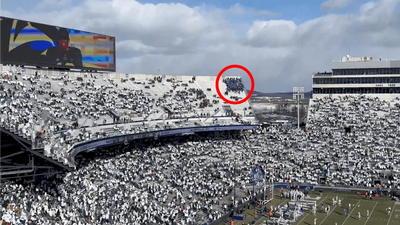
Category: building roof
[348,62]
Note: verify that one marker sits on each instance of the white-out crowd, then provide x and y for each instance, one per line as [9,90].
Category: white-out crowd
[176,181]
[356,139]
[60,111]
[349,141]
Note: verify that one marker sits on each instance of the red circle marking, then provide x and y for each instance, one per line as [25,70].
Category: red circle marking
[251,79]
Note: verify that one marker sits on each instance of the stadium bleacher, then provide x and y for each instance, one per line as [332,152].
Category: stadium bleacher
[348,142]
[58,111]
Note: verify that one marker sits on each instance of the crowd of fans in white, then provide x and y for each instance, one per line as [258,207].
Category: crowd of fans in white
[349,141]
[178,180]
[370,149]
[55,110]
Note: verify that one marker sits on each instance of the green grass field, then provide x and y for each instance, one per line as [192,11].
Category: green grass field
[377,210]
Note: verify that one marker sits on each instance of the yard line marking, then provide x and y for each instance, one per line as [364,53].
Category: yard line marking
[371,213]
[351,211]
[328,214]
[310,211]
[391,214]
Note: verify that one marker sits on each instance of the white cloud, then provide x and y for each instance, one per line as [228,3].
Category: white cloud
[178,39]
[365,8]
[271,33]
[335,4]
[237,9]
[136,46]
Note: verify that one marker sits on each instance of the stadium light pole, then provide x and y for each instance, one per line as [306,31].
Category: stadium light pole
[234,176]
[298,93]
[234,187]
[272,186]
[264,183]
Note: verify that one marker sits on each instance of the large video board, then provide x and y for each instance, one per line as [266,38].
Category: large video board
[29,43]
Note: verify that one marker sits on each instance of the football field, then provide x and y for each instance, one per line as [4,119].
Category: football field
[378,213]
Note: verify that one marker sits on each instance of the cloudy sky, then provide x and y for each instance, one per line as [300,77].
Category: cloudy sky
[281,42]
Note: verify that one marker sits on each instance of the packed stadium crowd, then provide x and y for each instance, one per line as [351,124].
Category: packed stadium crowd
[92,99]
[356,139]
[349,141]
[60,111]
[190,179]
[181,181]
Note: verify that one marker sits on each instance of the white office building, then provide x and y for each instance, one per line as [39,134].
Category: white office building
[359,75]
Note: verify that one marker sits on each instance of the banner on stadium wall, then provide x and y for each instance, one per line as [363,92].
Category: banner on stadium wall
[91,145]
[287,186]
[173,132]
[284,186]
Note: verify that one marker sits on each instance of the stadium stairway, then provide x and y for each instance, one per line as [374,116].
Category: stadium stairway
[21,136]
[310,106]
[40,152]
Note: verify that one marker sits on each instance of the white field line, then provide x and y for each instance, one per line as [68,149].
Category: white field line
[391,214]
[351,212]
[310,211]
[329,214]
[371,213]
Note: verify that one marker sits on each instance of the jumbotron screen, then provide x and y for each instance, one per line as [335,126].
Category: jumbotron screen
[29,43]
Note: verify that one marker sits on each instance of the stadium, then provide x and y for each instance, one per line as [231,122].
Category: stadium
[82,144]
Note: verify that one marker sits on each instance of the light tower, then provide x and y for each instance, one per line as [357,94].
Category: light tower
[298,93]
